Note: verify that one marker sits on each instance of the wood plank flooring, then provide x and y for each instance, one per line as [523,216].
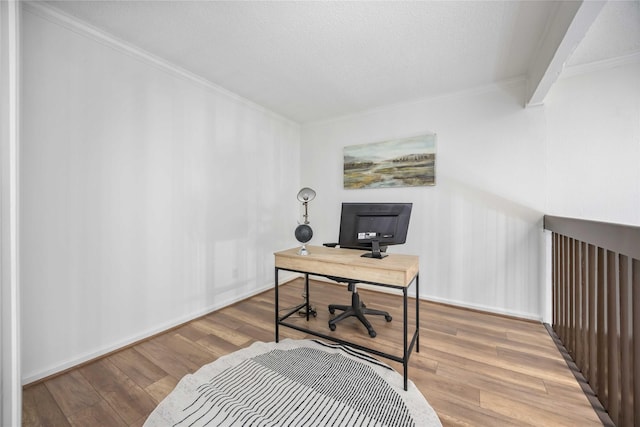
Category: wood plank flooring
[475,369]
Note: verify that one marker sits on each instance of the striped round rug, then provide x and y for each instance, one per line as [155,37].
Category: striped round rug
[297,383]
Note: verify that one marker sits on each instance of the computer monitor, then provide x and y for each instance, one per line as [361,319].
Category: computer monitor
[374,226]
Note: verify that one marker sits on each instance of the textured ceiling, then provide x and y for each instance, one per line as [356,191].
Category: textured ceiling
[311,61]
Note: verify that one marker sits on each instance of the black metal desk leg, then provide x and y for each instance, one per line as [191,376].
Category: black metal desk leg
[306,294]
[418,312]
[405,358]
[277,319]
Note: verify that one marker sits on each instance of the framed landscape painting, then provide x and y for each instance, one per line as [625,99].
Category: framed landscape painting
[407,162]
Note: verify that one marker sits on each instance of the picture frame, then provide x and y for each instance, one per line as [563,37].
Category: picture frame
[405,162]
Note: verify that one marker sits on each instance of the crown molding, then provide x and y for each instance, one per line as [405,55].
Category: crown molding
[605,64]
[82,28]
[499,86]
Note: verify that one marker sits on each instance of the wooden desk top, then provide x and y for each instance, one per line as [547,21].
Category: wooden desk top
[395,269]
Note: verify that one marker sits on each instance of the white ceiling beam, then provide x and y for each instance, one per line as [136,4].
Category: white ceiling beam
[565,32]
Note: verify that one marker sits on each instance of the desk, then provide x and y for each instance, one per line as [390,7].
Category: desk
[394,271]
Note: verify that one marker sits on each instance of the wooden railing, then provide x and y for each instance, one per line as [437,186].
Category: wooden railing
[596,308]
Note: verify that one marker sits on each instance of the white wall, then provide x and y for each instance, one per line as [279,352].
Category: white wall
[478,231]
[594,146]
[500,167]
[593,122]
[147,198]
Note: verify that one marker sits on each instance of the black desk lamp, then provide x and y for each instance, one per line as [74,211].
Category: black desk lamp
[303,232]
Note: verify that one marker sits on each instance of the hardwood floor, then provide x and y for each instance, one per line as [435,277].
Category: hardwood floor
[475,369]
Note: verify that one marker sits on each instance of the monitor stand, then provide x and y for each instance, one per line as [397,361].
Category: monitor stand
[375,251]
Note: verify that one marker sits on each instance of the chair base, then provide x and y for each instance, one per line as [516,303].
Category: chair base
[357,309]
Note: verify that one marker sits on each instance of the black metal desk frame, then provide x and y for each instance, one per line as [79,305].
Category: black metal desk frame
[407,346]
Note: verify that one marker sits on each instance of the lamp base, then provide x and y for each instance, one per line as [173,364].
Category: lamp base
[303,251]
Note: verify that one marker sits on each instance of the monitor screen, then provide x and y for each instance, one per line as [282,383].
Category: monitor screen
[374,226]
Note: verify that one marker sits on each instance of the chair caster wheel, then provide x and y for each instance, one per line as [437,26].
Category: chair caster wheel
[372,333]
[332,326]
[388,318]
[332,310]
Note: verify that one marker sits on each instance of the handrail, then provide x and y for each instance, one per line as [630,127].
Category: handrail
[623,239]
[596,308]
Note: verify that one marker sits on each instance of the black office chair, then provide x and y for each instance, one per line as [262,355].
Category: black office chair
[357,308]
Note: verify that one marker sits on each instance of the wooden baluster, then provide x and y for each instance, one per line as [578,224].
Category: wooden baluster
[565,287]
[583,354]
[566,302]
[579,296]
[626,368]
[613,310]
[592,370]
[601,285]
[571,338]
[635,344]
[555,268]
[560,289]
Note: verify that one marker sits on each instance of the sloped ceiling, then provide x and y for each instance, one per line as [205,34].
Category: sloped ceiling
[312,61]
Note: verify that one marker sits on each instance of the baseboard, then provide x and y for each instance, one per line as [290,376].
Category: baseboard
[58,369]
[446,301]
[53,371]
[484,308]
